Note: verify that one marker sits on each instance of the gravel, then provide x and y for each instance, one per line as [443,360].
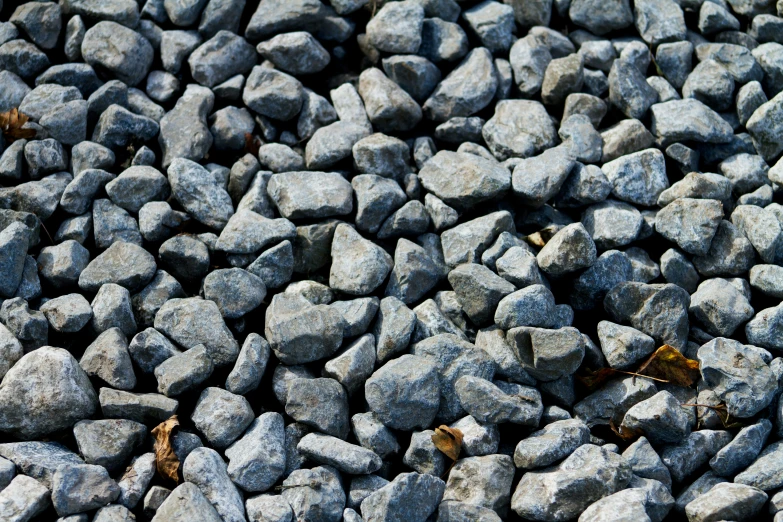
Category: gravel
[395,216]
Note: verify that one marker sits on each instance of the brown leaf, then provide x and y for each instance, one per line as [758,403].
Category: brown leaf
[669,364]
[625,433]
[448,441]
[252,144]
[165,459]
[11,124]
[593,380]
[723,414]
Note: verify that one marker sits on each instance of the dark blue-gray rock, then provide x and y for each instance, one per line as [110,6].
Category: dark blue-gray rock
[199,193]
[183,371]
[534,305]
[107,358]
[149,408]
[373,435]
[415,74]
[136,186]
[149,348]
[546,354]
[185,257]
[268,508]
[30,327]
[221,416]
[23,59]
[358,265]
[193,321]
[612,224]
[235,291]
[624,347]
[747,172]
[710,83]
[467,241]
[184,133]
[310,194]
[731,253]
[410,496]
[108,442]
[726,501]
[206,469]
[320,403]
[345,457]
[315,494]
[257,460]
[569,250]
[404,393]
[720,307]
[478,290]
[678,270]
[483,481]
[745,391]
[661,418]
[563,492]
[273,94]
[393,327]
[44,392]
[690,223]
[68,313]
[382,155]
[685,457]
[646,463]
[117,127]
[354,365]
[660,311]
[250,365]
[119,50]
[638,178]
[740,453]
[493,23]
[499,402]
[519,128]
[185,503]
[79,193]
[688,120]
[82,487]
[396,28]
[221,57]
[388,106]
[466,90]
[296,53]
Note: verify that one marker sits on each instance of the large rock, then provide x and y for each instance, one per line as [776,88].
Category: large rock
[43,393]
[119,50]
[464,180]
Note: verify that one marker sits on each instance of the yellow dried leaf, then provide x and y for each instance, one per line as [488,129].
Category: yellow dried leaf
[166,460]
[448,441]
[669,364]
[11,124]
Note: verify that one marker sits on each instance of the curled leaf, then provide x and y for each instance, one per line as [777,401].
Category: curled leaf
[448,441]
[624,432]
[166,460]
[12,123]
[669,364]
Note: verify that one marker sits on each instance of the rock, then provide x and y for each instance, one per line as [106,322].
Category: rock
[220,58]
[388,106]
[688,119]
[121,51]
[322,497]
[744,394]
[273,94]
[108,442]
[646,463]
[193,321]
[479,180]
[23,498]
[396,28]
[205,468]
[466,90]
[616,15]
[726,501]
[332,451]
[562,492]
[82,487]
[489,402]
[519,128]
[404,393]
[550,445]
[410,496]
[45,392]
[319,403]
[185,503]
[661,419]
[295,195]
[691,223]
[359,266]
[257,460]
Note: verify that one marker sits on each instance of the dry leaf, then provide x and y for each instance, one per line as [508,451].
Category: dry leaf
[624,432]
[165,459]
[669,364]
[723,414]
[11,124]
[252,144]
[448,441]
[593,380]
[542,237]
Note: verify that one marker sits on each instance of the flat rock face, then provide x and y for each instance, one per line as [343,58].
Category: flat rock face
[45,392]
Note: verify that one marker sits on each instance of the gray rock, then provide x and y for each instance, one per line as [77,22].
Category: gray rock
[136,479]
[122,51]
[720,307]
[112,308]
[410,496]
[353,365]
[220,58]
[183,371]
[185,503]
[205,468]
[393,327]
[466,90]
[235,291]
[359,266]
[82,487]
[257,460]
[691,223]
[688,119]
[268,508]
[678,270]
[468,241]
[612,224]
[149,408]
[332,451]
[624,347]
[694,451]
[483,481]
[68,313]
[193,321]
[388,106]
[639,177]
[726,501]
[404,393]
[317,494]
[45,392]
[23,499]
[296,53]
[175,46]
[646,463]
[221,416]
[250,365]
[396,28]
[499,402]
[493,23]
[479,179]
[519,128]
[310,194]
[117,127]
[570,249]
[730,252]
[661,419]
[199,193]
[184,135]
[320,403]
[643,306]
[109,442]
[107,358]
[479,291]
[534,305]
[571,486]
[742,451]
[373,435]
[273,94]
